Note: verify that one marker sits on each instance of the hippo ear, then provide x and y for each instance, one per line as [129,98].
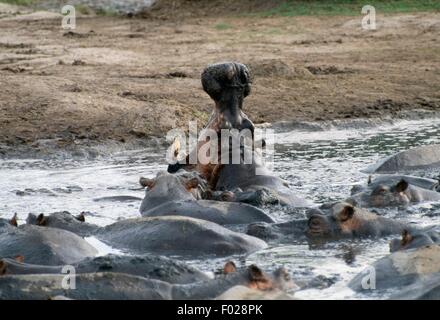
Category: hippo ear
[41,220]
[81,217]
[145,182]
[402,186]
[3,267]
[229,267]
[346,213]
[192,183]
[13,221]
[406,238]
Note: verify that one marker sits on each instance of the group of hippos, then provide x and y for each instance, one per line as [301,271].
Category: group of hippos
[192,211]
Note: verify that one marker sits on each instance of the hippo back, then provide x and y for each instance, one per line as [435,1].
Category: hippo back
[46,246]
[174,235]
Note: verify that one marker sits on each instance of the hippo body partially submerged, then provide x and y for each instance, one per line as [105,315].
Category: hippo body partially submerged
[413,239]
[64,220]
[120,286]
[255,183]
[89,286]
[169,195]
[391,180]
[342,220]
[148,266]
[400,269]
[399,195]
[419,158]
[47,246]
[176,235]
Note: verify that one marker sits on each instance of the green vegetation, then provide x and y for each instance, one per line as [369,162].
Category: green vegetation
[106,12]
[348,7]
[223,26]
[20,2]
[83,9]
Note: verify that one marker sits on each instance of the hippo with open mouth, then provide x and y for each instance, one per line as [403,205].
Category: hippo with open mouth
[170,194]
[228,84]
[39,245]
[400,194]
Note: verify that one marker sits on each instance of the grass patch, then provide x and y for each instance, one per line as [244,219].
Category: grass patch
[107,12]
[223,26]
[291,8]
[83,9]
[20,2]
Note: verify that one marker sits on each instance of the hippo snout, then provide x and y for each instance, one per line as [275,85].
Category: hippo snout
[317,225]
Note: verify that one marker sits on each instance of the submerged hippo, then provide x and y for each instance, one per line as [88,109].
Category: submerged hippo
[120,286]
[399,269]
[343,220]
[392,179]
[254,183]
[64,220]
[177,235]
[148,266]
[399,195]
[419,158]
[412,239]
[39,245]
[227,84]
[290,231]
[170,194]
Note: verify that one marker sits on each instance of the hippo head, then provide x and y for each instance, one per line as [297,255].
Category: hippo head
[56,219]
[342,221]
[228,84]
[385,196]
[255,278]
[413,239]
[169,187]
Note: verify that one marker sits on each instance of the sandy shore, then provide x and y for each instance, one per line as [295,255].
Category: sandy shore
[121,81]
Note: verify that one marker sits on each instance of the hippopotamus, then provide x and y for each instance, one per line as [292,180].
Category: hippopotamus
[177,235]
[343,220]
[399,195]
[170,194]
[419,158]
[400,269]
[254,183]
[64,220]
[148,266]
[412,239]
[424,288]
[120,286]
[172,235]
[290,231]
[39,245]
[392,179]
[228,84]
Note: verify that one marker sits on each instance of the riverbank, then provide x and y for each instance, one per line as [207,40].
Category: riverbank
[125,82]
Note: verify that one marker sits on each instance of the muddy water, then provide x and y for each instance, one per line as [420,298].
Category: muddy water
[322,165]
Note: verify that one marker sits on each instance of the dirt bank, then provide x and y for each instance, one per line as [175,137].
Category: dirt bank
[120,79]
